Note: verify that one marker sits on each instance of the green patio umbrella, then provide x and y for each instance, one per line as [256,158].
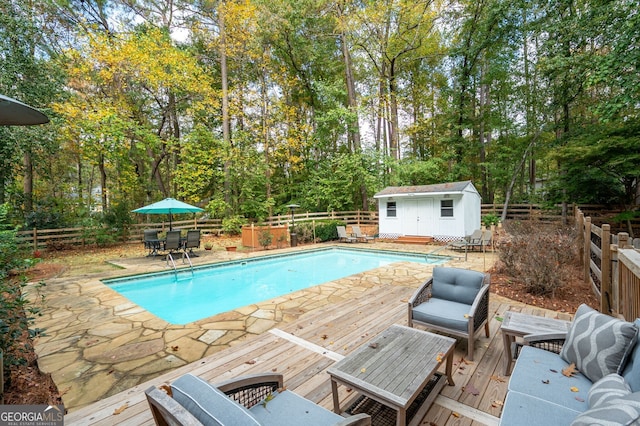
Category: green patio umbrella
[168,206]
[15,113]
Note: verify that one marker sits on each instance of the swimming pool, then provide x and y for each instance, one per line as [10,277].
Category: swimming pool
[189,295]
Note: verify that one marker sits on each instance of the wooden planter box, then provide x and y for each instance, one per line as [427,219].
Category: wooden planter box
[251,235]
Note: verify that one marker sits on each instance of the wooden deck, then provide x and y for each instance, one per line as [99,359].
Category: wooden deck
[304,349]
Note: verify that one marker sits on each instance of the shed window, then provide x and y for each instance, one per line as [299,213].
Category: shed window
[391,209]
[446,208]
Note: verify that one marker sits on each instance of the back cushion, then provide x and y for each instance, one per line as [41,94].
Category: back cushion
[455,284]
[209,404]
[631,371]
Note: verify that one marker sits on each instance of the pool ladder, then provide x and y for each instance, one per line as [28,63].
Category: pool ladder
[173,263]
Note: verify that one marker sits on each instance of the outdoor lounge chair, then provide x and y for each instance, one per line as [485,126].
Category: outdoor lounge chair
[468,242]
[454,301]
[193,241]
[485,241]
[343,237]
[360,236]
[251,400]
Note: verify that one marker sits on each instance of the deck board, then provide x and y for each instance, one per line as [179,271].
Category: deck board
[339,328]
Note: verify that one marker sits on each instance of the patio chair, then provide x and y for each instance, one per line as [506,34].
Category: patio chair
[360,236]
[251,400]
[151,242]
[485,240]
[454,301]
[343,237]
[192,241]
[173,241]
[467,242]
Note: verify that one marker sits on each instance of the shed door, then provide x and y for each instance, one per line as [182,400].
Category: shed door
[418,217]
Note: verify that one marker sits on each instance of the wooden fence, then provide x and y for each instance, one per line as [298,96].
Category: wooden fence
[43,239]
[612,266]
[528,212]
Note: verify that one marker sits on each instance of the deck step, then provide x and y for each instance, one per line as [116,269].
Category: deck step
[413,239]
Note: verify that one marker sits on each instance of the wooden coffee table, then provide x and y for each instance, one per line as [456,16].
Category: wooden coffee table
[395,368]
[515,324]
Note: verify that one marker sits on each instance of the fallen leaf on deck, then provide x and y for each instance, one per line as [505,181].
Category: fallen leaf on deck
[175,348]
[464,361]
[250,362]
[373,345]
[274,369]
[349,390]
[574,389]
[363,370]
[166,389]
[499,318]
[466,315]
[121,409]
[495,404]
[570,370]
[497,379]
[324,337]
[454,414]
[471,389]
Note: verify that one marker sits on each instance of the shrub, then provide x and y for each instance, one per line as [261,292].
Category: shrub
[233,225]
[537,255]
[490,219]
[265,238]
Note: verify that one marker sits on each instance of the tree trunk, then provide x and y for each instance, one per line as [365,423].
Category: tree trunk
[226,127]
[103,182]
[28,182]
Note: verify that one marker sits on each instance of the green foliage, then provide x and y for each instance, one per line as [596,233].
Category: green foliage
[416,172]
[217,208]
[490,219]
[233,225]
[265,238]
[118,219]
[16,311]
[325,230]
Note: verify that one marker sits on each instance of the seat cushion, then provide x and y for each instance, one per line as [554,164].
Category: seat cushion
[597,343]
[289,409]
[521,409]
[539,373]
[443,313]
[209,404]
[455,284]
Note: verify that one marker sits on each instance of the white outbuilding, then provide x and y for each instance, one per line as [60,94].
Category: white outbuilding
[444,211]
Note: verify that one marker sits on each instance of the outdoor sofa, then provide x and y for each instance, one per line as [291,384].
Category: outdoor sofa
[604,391]
[250,400]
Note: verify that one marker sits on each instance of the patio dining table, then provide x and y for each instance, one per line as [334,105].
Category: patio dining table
[154,245]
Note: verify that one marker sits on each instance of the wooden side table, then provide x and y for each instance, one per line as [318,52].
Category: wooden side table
[515,324]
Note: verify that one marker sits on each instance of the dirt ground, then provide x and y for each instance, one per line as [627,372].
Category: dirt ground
[29,386]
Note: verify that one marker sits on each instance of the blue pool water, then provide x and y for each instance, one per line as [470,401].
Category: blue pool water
[187,296]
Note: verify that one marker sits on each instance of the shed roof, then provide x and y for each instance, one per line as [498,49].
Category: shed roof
[438,188]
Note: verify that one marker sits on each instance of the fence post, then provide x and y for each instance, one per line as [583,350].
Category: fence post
[623,240]
[605,270]
[580,228]
[35,238]
[587,248]
[615,280]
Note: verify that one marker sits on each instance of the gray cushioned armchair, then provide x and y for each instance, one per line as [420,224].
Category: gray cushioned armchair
[245,401]
[454,301]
